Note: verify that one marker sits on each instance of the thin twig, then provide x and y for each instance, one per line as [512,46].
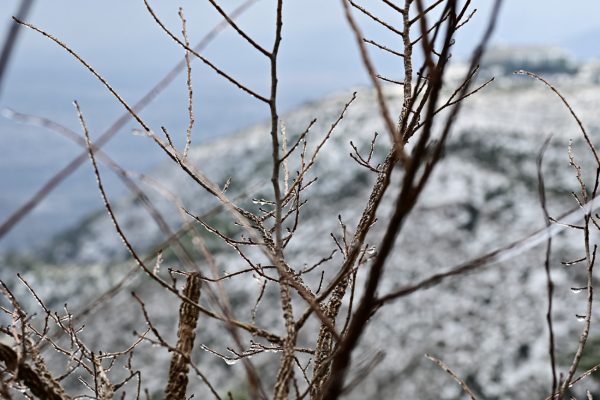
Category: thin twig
[188,65]
[212,66]
[549,283]
[381,101]
[498,255]
[454,376]
[11,38]
[566,103]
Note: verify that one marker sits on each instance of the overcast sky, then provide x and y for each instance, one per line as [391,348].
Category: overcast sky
[318,54]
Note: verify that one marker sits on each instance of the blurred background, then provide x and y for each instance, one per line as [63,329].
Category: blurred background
[120,39]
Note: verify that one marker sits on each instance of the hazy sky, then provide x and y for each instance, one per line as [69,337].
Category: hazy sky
[318,55]
[120,40]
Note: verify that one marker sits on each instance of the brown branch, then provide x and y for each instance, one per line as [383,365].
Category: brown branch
[235,27]
[363,226]
[188,320]
[404,204]
[188,136]
[566,103]
[383,78]
[382,103]
[307,166]
[160,341]
[425,32]
[409,98]
[91,69]
[301,138]
[138,193]
[590,260]
[382,47]
[587,320]
[395,7]
[212,66]
[29,377]
[590,256]
[498,255]
[141,262]
[374,18]
[425,12]
[286,279]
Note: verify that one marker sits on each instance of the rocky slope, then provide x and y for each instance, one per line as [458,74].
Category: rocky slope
[488,326]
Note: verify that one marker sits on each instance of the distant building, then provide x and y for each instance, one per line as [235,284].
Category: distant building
[502,60]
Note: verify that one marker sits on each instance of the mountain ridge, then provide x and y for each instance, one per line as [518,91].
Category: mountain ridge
[483,195]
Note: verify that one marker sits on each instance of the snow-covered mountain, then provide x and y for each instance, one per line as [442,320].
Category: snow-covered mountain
[488,326]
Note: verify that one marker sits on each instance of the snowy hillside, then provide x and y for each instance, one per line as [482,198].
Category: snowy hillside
[489,326]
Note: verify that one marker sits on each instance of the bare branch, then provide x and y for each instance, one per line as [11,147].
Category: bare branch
[188,319]
[382,47]
[425,12]
[188,137]
[216,69]
[383,108]
[454,376]
[235,26]
[374,18]
[566,103]
[29,377]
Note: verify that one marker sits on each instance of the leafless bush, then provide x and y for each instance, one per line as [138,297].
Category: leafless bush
[313,360]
